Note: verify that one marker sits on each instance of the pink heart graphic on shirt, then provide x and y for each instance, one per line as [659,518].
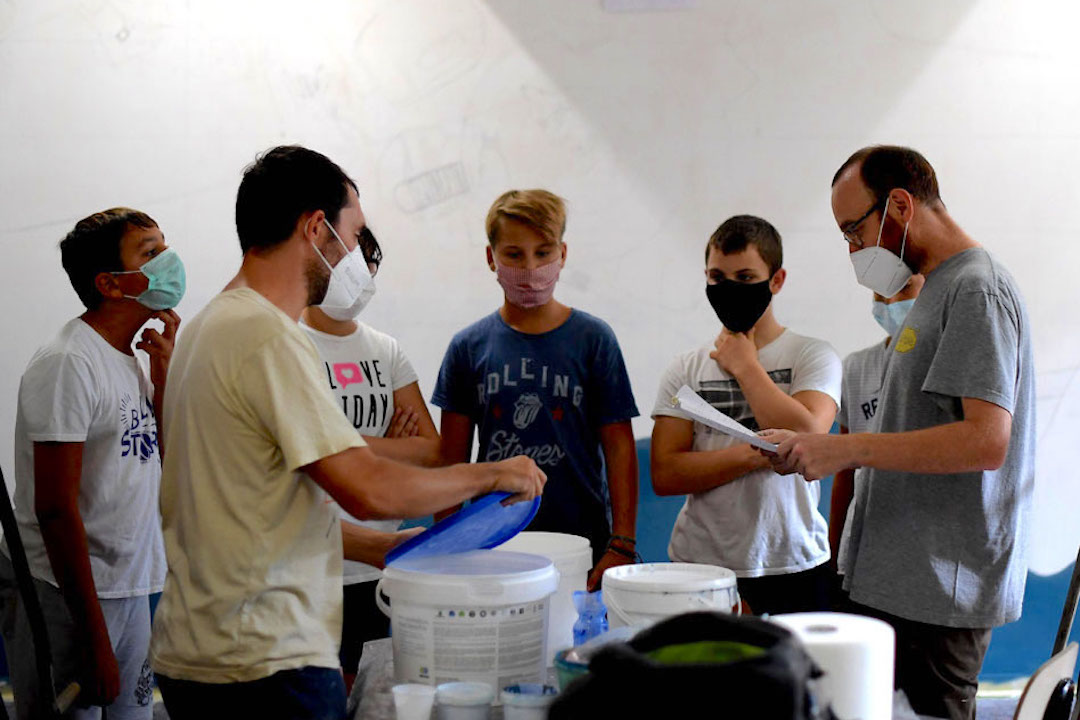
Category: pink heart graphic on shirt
[348,374]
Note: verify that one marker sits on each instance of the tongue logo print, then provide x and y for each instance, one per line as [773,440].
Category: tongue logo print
[525,410]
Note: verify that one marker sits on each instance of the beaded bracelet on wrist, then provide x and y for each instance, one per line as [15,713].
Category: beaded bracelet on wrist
[622,551]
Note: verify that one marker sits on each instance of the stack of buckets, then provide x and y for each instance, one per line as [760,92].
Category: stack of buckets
[492,616]
[572,557]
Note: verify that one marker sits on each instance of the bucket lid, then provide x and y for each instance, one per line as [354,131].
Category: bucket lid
[482,524]
[488,577]
[668,577]
[478,563]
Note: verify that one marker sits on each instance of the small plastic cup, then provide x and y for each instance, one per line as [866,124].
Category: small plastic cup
[464,700]
[527,701]
[413,701]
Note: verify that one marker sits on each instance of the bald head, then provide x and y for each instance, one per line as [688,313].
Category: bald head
[883,168]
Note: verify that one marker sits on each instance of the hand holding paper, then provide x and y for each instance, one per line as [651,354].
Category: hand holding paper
[690,403]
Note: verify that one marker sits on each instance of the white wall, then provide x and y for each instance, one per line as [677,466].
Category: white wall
[654,125]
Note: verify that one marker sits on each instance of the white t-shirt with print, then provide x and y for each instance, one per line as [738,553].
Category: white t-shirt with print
[762,523]
[363,370]
[80,389]
[864,374]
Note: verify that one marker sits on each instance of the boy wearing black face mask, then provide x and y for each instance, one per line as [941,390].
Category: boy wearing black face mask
[740,514]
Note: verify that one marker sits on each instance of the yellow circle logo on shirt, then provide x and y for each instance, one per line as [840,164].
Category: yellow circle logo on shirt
[906,341]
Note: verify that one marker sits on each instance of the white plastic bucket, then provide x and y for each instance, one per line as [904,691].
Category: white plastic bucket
[480,616]
[640,595]
[572,556]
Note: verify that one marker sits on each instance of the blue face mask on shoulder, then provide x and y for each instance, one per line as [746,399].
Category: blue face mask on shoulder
[167,281]
[891,316]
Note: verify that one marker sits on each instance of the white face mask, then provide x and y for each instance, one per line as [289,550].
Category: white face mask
[879,269]
[351,285]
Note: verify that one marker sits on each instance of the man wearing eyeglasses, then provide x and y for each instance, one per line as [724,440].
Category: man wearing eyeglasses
[938,540]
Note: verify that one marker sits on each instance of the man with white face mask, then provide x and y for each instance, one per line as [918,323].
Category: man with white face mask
[259,453]
[938,540]
[379,392]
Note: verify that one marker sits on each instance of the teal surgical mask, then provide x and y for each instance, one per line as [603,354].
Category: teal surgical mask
[167,281]
[891,316]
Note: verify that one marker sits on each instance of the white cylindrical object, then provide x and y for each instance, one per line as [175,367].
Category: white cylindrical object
[641,595]
[477,616]
[572,556]
[413,701]
[465,701]
[856,655]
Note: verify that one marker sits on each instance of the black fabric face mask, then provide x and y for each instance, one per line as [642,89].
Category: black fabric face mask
[739,305]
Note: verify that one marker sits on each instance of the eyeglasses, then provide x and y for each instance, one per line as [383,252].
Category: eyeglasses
[852,229]
[369,246]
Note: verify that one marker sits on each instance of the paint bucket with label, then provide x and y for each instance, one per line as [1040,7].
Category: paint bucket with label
[641,595]
[478,616]
[572,557]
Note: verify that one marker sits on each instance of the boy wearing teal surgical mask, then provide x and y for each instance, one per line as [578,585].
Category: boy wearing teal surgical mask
[864,371]
[740,514]
[87,470]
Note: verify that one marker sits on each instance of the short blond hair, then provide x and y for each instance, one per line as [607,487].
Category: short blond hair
[541,210]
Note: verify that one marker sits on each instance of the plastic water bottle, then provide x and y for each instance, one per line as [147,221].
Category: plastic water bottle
[592,616]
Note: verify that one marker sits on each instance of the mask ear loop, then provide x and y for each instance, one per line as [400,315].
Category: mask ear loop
[139,270]
[348,252]
[881,227]
[336,236]
[903,241]
[319,252]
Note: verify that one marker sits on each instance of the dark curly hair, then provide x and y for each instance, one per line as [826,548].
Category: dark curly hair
[93,247]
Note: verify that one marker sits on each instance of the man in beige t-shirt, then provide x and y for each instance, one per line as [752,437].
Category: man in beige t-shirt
[251,613]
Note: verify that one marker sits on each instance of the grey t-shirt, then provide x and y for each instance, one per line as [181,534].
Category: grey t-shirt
[864,373]
[952,549]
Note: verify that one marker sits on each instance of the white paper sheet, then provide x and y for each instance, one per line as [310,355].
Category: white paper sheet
[690,403]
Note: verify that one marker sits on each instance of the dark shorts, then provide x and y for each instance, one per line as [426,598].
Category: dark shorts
[807,591]
[361,622]
[937,667]
[312,693]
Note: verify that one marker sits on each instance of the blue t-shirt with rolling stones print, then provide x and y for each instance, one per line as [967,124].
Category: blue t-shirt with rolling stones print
[544,395]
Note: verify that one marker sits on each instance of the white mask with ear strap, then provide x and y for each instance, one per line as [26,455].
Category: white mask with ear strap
[879,269]
[351,285]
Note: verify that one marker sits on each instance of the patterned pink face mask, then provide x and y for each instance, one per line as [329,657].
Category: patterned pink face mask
[528,288]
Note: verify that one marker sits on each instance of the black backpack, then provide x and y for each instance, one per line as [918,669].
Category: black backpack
[767,677]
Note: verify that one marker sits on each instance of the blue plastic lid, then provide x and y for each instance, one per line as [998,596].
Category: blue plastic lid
[484,523]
